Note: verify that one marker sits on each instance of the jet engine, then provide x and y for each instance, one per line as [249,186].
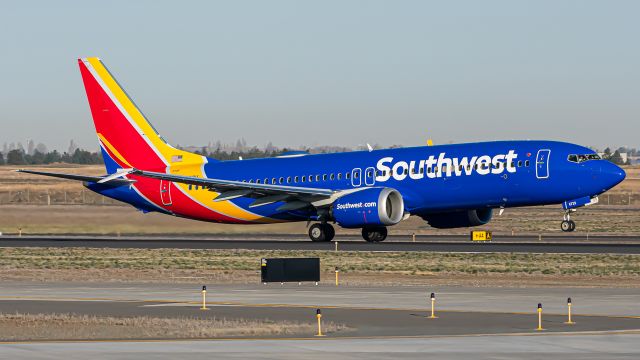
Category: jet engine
[457,219]
[368,207]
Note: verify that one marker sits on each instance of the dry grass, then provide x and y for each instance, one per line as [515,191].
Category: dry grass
[242,266]
[16,327]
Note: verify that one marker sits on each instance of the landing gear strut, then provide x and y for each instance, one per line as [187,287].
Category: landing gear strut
[567,224]
[375,234]
[321,232]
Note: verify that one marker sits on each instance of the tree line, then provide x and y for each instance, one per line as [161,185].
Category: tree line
[79,156]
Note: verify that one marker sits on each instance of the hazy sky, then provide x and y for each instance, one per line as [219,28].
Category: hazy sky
[329,72]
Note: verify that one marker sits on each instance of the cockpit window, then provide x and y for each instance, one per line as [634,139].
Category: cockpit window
[580,158]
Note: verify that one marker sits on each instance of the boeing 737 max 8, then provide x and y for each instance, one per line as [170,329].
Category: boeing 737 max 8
[449,186]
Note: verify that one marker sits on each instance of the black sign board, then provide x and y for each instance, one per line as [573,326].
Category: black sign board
[290,270]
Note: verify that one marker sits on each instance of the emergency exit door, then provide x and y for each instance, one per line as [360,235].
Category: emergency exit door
[165,192]
[542,164]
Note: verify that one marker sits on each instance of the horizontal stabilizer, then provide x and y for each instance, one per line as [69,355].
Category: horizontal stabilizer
[95,179]
[118,174]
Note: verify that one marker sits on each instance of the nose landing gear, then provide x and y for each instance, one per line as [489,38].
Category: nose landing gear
[567,224]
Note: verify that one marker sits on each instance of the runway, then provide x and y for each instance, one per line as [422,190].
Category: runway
[611,245]
[383,322]
[527,347]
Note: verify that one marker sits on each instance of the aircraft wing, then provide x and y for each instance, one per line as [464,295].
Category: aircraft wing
[78,177]
[295,197]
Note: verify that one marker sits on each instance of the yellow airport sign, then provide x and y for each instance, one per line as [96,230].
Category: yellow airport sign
[481,235]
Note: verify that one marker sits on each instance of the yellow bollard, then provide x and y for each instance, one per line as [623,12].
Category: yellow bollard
[433,306]
[569,322]
[204,299]
[539,317]
[319,316]
[337,272]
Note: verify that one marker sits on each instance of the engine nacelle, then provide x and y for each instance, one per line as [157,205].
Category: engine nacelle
[369,207]
[459,219]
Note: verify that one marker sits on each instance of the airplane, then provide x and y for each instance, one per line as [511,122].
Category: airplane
[449,186]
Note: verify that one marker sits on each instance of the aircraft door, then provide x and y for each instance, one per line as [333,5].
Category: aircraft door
[356,177]
[542,164]
[165,192]
[370,176]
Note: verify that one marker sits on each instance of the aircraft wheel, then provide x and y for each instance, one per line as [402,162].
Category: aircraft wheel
[572,224]
[317,232]
[566,226]
[321,232]
[329,232]
[376,234]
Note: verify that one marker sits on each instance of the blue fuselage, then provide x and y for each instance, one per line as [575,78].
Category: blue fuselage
[437,178]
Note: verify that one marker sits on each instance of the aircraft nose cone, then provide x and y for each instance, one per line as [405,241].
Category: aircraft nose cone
[612,174]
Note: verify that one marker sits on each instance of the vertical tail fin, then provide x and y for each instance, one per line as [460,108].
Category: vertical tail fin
[127,139]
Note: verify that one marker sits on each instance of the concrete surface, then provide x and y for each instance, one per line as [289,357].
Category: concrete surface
[600,346]
[557,244]
[594,301]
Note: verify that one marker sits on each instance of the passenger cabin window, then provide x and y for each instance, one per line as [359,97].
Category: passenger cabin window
[526,163]
[339,176]
[332,176]
[295,179]
[347,176]
[324,177]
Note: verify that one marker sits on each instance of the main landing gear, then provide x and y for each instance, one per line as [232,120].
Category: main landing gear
[567,224]
[374,234]
[321,232]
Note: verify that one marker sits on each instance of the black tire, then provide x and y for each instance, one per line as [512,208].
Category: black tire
[566,226]
[329,232]
[376,234]
[317,232]
[572,224]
